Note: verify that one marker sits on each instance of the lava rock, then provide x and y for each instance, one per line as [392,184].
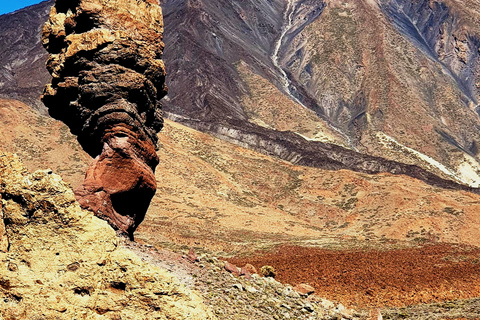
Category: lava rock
[304,289]
[108,77]
[233,269]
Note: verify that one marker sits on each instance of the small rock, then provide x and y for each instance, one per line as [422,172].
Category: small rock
[286,306]
[192,256]
[272,282]
[326,304]
[304,289]
[250,268]
[250,289]
[289,292]
[308,307]
[12,267]
[73,266]
[233,269]
[244,272]
[238,286]
[101,262]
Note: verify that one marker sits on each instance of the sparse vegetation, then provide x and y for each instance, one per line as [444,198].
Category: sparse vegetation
[268,271]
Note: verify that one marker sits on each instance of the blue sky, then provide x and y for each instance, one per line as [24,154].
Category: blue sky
[7,6]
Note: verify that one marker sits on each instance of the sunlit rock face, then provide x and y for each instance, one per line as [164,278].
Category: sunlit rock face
[105,58]
[58,261]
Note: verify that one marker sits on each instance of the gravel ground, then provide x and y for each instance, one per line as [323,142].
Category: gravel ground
[232,297]
[259,298]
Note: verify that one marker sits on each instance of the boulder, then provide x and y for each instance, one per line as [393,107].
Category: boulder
[304,289]
[244,272]
[233,269]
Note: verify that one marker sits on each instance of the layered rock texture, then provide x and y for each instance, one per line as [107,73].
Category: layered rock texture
[396,79]
[108,78]
[58,261]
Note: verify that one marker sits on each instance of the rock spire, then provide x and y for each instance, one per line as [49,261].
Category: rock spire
[105,58]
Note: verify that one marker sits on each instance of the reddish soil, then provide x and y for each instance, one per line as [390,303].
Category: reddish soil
[369,278]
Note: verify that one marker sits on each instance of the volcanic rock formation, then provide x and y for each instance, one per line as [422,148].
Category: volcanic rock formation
[108,78]
[61,262]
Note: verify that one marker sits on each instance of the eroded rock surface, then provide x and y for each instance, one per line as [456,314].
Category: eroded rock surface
[64,263]
[108,78]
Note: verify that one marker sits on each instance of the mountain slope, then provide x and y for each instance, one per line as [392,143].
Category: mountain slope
[220,196]
[289,78]
[398,77]
[22,71]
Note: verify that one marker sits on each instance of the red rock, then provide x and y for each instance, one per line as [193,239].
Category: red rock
[119,184]
[250,268]
[233,269]
[244,272]
[192,256]
[304,289]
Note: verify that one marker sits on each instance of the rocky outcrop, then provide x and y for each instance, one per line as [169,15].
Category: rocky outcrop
[108,78]
[62,262]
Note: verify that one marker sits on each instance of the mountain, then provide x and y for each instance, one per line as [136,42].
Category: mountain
[345,126]
[317,83]
[394,79]
[22,73]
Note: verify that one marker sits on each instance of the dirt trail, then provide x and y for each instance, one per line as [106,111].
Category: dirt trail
[366,279]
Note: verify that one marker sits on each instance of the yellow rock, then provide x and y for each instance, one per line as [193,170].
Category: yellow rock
[64,263]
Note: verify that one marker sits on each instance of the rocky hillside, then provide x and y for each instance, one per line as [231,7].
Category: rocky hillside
[220,196]
[61,262]
[226,200]
[372,104]
[399,78]
[385,78]
[318,83]
[22,72]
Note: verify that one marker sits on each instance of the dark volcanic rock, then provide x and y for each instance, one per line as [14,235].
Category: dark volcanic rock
[22,58]
[108,78]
